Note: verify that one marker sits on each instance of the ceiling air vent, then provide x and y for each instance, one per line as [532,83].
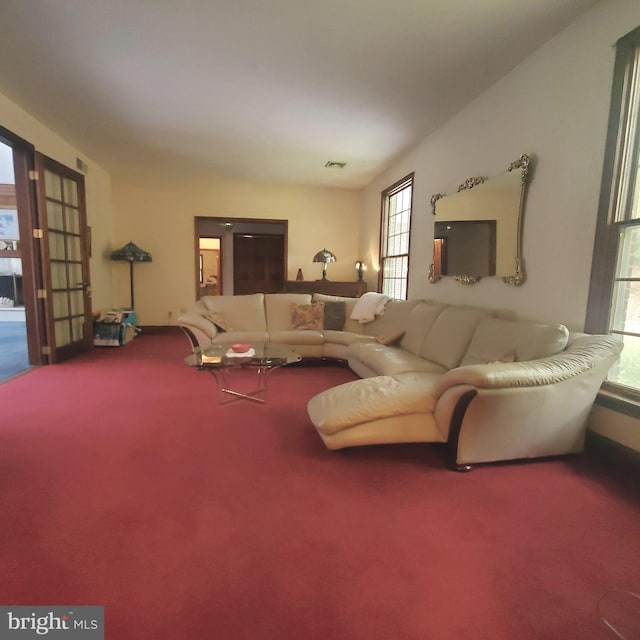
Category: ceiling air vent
[332,164]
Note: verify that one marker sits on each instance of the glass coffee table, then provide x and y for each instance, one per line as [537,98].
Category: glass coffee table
[223,363]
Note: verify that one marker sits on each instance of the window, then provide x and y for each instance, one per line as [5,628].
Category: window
[614,296]
[395,235]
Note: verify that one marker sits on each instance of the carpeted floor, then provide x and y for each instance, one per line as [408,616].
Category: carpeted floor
[13,349]
[123,484]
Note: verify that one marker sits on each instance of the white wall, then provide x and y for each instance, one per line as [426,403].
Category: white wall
[553,106]
[621,428]
[97,186]
[158,215]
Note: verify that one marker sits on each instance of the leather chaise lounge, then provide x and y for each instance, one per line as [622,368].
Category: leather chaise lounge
[492,388]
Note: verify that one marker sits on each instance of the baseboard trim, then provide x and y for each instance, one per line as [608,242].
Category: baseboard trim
[608,448]
[156,330]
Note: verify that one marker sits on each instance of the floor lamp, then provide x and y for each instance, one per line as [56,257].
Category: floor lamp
[131,253]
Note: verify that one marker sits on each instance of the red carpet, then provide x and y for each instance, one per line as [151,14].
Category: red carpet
[123,484]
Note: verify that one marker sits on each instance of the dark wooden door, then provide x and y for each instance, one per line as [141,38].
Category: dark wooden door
[258,263]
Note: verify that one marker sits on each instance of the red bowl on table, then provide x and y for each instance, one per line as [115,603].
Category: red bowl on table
[240,347]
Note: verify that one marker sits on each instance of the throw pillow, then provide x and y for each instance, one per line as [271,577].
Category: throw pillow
[307,316]
[390,337]
[218,319]
[334,316]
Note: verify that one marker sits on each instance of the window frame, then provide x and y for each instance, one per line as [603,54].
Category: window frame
[396,187]
[617,185]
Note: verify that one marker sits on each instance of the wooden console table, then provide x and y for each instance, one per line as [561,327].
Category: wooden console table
[328,287]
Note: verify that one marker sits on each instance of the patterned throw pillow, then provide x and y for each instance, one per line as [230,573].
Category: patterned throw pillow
[334,316]
[219,320]
[390,337]
[307,316]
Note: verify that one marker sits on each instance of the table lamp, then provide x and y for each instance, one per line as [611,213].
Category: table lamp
[325,257]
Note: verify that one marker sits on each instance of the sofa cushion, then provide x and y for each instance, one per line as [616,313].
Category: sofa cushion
[217,318]
[345,337]
[230,337]
[296,337]
[243,312]
[307,316]
[359,401]
[277,309]
[394,317]
[349,303]
[449,337]
[496,339]
[420,319]
[387,360]
[334,315]
[390,337]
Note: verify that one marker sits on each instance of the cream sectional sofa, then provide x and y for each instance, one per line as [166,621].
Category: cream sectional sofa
[266,317]
[492,388]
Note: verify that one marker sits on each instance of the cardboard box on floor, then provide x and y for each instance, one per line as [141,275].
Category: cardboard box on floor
[114,328]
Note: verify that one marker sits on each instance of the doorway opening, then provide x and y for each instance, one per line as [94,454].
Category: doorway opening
[240,255]
[13,324]
[45,261]
[209,267]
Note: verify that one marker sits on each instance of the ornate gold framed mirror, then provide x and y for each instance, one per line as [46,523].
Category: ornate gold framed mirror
[478,230]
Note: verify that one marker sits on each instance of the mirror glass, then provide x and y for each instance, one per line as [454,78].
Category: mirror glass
[477,231]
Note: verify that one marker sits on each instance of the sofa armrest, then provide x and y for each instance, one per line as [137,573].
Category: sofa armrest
[506,411]
[195,320]
[582,355]
[198,328]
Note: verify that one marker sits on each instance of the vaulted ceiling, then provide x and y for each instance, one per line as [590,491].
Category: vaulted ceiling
[261,90]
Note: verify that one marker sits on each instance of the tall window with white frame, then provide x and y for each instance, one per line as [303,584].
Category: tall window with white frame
[614,296]
[395,235]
